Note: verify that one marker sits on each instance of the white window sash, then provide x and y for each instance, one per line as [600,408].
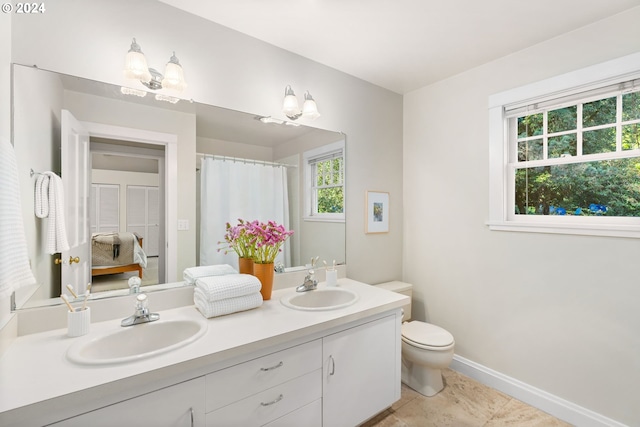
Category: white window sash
[501,165]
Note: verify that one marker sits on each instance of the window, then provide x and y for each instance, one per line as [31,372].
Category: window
[568,161]
[324,183]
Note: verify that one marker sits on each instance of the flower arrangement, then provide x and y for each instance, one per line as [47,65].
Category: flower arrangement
[257,240]
[268,239]
[239,239]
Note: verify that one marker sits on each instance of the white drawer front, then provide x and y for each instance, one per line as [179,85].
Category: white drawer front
[237,382]
[271,404]
[307,416]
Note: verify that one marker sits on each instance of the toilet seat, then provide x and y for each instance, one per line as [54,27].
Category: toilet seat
[426,336]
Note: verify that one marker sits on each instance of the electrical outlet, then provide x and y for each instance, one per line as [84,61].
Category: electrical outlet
[183,224]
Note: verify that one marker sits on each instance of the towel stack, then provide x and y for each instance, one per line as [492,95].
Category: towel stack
[219,295]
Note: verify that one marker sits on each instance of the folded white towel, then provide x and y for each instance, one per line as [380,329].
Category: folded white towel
[49,203]
[217,288]
[225,306]
[191,274]
[14,259]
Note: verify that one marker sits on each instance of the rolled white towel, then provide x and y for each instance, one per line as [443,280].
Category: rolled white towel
[192,273]
[225,306]
[216,288]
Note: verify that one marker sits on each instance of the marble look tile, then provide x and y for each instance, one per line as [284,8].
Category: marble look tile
[462,403]
[516,413]
[385,419]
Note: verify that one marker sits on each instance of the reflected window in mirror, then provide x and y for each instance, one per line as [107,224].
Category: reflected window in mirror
[324,183]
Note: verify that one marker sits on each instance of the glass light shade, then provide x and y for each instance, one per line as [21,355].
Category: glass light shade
[309,108]
[174,75]
[290,105]
[135,64]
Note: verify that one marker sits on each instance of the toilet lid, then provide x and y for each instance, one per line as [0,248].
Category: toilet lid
[426,334]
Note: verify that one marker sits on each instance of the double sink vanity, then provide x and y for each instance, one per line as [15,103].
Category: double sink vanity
[328,357]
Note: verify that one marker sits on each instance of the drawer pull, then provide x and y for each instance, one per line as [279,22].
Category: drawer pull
[276,400]
[272,367]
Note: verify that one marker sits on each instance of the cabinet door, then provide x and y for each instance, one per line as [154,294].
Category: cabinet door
[361,372]
[179,405]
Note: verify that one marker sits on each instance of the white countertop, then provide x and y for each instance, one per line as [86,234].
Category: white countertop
[35,370]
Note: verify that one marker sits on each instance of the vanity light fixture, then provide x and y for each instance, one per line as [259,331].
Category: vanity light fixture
[291,109]
[136,68]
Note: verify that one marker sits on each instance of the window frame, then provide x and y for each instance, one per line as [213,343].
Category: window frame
[310,211]
[502,174]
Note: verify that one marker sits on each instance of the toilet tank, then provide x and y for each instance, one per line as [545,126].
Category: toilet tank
[401,288]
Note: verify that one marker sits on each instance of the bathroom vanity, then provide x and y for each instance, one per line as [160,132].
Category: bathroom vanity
[274,366]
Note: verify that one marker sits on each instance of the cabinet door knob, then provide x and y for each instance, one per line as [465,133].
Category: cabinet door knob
[72,260]
[276,400]
[58,261]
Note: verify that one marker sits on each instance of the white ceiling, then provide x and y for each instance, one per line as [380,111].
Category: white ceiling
[403,45]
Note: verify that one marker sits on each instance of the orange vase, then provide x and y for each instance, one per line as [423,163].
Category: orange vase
[264,273]
[245,265]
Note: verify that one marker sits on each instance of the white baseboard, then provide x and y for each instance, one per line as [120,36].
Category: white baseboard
[547,402]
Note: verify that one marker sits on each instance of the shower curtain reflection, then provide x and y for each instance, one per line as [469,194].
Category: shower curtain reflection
[232,189]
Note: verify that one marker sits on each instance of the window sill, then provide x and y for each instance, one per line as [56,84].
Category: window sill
[628,231]
[322,219]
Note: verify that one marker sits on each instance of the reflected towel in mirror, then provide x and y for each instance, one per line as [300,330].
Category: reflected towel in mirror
[49,203]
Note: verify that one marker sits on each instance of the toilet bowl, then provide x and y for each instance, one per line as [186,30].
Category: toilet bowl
[426,348]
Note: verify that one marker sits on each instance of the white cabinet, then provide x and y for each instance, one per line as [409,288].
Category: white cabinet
[361,372]
[181,405]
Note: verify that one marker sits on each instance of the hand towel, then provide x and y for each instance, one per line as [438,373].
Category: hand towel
[225,306]
[15,271]
[49,203]
[216,288]
[192,273]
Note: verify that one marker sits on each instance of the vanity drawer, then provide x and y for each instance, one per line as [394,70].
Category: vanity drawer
[308,416]
[271,404]
[237,382]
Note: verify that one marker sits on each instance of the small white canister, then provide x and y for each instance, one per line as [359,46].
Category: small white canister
[78,322]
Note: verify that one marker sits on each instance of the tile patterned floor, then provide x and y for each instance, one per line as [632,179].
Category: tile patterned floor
[463,403]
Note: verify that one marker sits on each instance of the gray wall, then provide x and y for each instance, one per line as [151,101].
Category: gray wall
[557,312]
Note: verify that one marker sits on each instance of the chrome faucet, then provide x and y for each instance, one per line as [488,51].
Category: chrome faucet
[142,314]
[310,282]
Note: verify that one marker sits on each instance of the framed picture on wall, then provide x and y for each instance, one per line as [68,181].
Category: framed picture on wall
[377,212]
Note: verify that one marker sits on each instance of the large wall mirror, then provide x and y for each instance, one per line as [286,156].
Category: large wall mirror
[144,156]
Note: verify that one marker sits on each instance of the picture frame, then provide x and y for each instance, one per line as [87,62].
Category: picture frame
[376,212]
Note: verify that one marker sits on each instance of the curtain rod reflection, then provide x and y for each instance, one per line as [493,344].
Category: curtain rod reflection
[249,161]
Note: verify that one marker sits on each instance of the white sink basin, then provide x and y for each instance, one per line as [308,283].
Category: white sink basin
[136,342]
[320,299]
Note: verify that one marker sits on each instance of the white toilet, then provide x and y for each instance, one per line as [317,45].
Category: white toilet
[426,348]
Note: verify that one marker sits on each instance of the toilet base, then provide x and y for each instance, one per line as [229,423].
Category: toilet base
[426,381]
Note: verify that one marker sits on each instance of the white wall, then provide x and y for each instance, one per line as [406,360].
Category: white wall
[557,312]
[231,70]
[37,130]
